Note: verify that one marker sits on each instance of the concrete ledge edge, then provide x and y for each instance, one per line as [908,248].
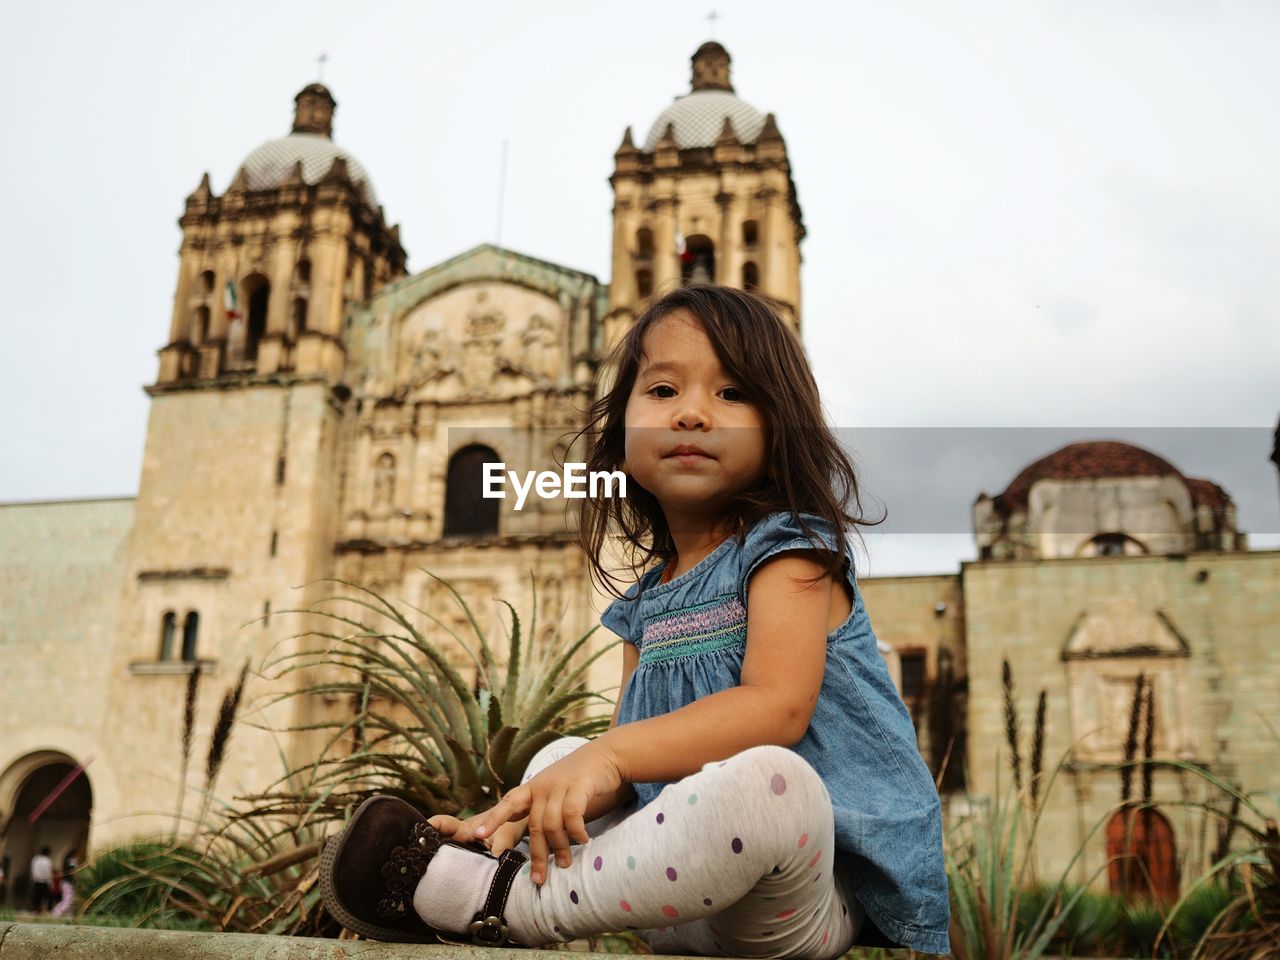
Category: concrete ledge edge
[39,941]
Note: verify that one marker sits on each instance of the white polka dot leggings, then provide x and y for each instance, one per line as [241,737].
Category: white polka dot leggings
[735,860]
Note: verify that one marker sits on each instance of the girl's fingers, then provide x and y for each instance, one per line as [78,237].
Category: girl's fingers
[468,829]
[537,842]
[445,824]
[575,809]
[553,822]
[510,807]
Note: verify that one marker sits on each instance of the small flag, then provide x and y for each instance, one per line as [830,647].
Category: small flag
[681,250]
[231,302]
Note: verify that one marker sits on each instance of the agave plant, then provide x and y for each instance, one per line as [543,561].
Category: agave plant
[421,731]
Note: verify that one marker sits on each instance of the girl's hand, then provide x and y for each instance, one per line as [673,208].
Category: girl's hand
[555,802]
[506,836]
[460,831]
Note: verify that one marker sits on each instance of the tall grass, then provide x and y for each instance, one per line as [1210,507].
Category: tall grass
[1232,912]
[188,731]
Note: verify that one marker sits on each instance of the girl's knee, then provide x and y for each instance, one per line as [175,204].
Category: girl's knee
[781,768]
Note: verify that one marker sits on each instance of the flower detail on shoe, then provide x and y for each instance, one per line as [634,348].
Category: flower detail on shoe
[405,867]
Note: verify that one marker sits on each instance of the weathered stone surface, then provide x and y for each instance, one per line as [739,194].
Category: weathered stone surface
[39,941]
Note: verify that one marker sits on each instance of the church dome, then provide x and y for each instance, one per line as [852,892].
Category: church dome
[311,143]
[699,117]
[1091,460]
[270,165]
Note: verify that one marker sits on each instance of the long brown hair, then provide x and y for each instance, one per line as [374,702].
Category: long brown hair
[806,469]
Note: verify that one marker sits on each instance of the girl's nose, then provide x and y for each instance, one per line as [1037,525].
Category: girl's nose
[692,416]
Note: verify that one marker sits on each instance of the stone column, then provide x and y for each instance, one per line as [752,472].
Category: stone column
[666,262]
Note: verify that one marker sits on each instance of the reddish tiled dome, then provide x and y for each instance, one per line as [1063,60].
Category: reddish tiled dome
[1208,493]
[1091,460]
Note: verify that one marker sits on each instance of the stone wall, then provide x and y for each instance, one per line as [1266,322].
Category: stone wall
[1202,627]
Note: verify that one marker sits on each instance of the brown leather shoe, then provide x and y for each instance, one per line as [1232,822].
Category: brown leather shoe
[369,872]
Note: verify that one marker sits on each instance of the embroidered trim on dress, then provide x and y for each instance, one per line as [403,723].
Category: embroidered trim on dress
[717,624]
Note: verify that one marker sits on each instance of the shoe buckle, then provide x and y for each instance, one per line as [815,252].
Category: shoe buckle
[489,932]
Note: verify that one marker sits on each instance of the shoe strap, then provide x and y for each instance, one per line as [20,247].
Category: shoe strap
[489,927]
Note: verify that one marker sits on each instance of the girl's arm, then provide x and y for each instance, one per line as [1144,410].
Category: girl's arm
[788,620]
[603,803]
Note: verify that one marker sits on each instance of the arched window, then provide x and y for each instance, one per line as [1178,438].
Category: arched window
[698,262]
[384,482]
[467,513]
[298,317]
[1113,545]
[750,276]
[644,243]
[200,325]
[750,233]
[190,629]
[259,293]
[168,632]
[302,272]
[644,283]
[206,282]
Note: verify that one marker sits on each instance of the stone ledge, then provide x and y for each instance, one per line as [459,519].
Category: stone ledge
[40,941]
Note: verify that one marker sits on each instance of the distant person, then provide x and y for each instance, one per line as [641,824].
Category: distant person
[41,880]
[68,888]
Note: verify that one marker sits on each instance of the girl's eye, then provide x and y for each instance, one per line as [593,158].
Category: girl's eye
[732,394]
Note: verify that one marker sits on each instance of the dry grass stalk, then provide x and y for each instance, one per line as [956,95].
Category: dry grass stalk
[1148,747]
[1131,741]
[1226,831]
[1011,725]
[1037,749]
[188,729]
[221,735]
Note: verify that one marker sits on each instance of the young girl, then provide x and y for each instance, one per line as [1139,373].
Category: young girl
[759,792]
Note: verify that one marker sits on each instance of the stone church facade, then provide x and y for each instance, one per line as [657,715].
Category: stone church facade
[320,412]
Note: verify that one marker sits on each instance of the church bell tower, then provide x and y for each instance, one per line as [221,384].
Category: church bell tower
[707,197]
[268,269]
[243,467]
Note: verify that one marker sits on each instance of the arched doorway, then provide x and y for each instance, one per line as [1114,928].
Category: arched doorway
[698,261]
[1142,860]
[467,512]
[63,825]
[258,293]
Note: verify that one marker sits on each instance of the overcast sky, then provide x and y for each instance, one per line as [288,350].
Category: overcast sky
[1020,214]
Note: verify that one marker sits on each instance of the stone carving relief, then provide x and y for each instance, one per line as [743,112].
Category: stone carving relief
[1105,652]
[541,349]
[495,340]
[384,482]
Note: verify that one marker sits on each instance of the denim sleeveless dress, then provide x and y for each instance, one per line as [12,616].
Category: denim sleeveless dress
[692,636]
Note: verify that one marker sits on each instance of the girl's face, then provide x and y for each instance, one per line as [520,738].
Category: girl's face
[692,437]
